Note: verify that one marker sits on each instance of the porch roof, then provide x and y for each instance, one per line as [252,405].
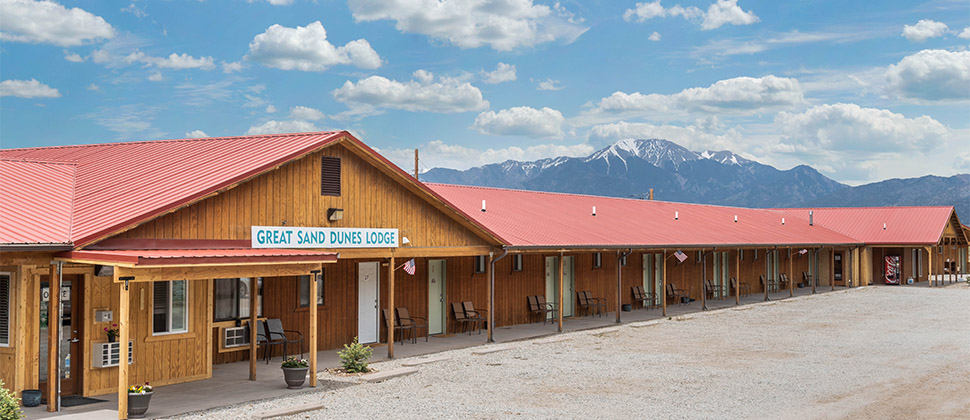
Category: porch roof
[197,257]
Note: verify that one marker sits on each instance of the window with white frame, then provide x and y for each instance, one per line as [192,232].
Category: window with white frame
[232,300]
[517,262]
[170,307]
[305,291]
[4,309]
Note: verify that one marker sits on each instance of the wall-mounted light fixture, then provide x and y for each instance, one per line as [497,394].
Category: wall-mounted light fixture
[335,214]
[405,240]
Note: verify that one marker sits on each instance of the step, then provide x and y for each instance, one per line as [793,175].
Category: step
[425,360]
[288,411]
[388,374]
[490,350]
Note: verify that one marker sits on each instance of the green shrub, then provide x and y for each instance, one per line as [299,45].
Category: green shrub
[9,404]
[354,357]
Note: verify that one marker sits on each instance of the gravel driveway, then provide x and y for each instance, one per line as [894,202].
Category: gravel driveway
[875,352]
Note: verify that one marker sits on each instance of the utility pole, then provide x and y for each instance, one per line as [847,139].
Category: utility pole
[415,164]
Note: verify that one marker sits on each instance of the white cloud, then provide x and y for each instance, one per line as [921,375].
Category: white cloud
[924,29]
[693,137]
[134,10]
[719,48]
[128,121]
[94,87]
[231,67]
[48,22]
[73,57]
[502,25]
[654,37]
[962,162]
[521,121]
[280,127]
[502,73]
[446,95]
[718,13]
[270,109]
[155,77]
[196,134]
[27,89]
[931,75]
[306,113]
[280,2]
[549,84]
[965,33]
[438,154]
[173,61]
[849,127]
[306,48]
[740,96]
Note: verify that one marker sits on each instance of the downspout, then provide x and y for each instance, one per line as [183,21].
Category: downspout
[768,259]
[704,278]
[60,328]
[619,275]
[491,294]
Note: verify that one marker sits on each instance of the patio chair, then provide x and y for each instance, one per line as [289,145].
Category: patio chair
[275,332]
[678,295]
[783,281]
[399,328]
[599,304]
[472,313]
[458,311]
[715,291]
[647,300]
[261,340]
[806,279]
[415,322]
[538,306]
[744,289]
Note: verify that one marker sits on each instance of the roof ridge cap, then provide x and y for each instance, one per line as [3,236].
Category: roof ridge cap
[66,146]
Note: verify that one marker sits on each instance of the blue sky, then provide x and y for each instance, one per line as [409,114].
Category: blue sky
[858,91]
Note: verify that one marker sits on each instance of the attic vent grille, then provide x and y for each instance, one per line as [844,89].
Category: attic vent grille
[330,176]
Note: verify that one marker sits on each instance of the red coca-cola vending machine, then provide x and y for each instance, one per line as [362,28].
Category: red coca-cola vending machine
[892,270]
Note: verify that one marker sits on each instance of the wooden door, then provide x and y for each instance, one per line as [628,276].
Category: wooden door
[368,301]
[436,297]
[837,272]
[70,349]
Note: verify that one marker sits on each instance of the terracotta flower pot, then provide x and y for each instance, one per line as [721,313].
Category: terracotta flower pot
[294,377]
[138,405]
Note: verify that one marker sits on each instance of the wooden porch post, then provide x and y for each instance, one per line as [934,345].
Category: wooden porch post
[791,284]
[929,266]
[814,264]
[123,337]
[53,344]
[561,307]
[703,281]
[832,269]
[314,275]
[489,275]
[619,275]
[390,304]
[767,283]
[663,282]
[737,277]
[253,333]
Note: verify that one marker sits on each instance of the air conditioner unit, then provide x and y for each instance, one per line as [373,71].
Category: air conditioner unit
[235,337]
[109,354]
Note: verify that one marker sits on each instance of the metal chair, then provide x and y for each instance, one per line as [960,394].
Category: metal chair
[276,333]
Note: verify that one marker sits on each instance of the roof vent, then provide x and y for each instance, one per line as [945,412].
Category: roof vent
[883,226]
[594,210]
[782,220]
[735,218]
[483,206]
[676,215]
[811,218]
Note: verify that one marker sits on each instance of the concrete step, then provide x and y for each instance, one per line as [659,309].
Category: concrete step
[388,374]
[425,360]
[287,411]
[490,349]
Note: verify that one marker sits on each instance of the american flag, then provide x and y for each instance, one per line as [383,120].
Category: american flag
[680,256]
[802,251]
[409,266]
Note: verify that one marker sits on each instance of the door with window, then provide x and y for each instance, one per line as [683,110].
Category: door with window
[368,283]
[568,281]
[837,274]
[70,350]
[436,297]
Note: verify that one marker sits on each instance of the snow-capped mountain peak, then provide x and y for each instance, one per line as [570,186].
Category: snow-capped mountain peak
[724,157]
[654,151]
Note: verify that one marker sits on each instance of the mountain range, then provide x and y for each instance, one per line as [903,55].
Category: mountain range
[630,168]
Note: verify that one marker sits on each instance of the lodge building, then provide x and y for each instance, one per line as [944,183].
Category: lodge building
[185,243]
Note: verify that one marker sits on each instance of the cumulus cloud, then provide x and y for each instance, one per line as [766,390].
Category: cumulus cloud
[270,109]
[306,48]
[73,57]
[693,137]
[521,121]
[446,95]
[501,25]
[94,87]
[50,23]
[232,67]
[155,77]
[740,96]
[549,84]
[962,162]
[306,113]
[931,75]
[27,89]
[924,29]
[438,154]
[654,37]
[280,127]
[134,10]
[849,127]
[173,61]
[718,13]
[502,73]
[965,33]
[196,134]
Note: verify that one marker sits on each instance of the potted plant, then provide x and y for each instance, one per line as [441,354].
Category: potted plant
[139,396]
[112,332]
[294,372]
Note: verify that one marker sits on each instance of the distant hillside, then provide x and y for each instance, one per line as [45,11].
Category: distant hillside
[630,168]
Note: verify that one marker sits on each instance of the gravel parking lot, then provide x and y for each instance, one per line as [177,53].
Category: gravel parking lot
[869,353]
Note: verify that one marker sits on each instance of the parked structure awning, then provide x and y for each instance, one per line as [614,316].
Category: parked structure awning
[195,257]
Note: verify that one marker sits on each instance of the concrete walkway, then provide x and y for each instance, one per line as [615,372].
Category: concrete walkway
[230,383]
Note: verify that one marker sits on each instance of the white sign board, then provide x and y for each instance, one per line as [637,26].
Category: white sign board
[45,293]
[311,237]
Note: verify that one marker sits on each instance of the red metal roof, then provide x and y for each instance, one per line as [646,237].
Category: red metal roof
[903,225]
[120,184]
[540,219]
[167,257]
[37,200]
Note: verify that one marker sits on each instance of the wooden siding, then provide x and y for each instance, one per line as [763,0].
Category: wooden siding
[291,196]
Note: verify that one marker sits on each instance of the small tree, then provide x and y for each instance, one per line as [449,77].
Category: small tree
[354,357]
[9,404]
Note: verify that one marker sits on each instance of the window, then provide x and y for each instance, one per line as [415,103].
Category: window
[698,259]
[915,262]
[330,176]
[939,250]
[623,260]
[170,311]
[305,291]
[741,255]
[756,254]
[517,262]
[597,259]
[4,309]
[232,299]
[480,264]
